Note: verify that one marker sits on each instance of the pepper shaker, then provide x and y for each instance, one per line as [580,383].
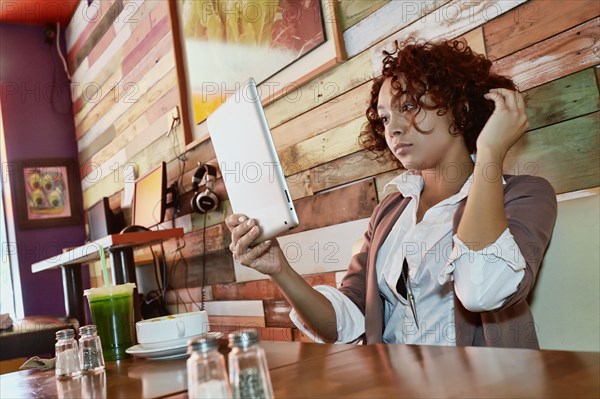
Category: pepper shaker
[90,349]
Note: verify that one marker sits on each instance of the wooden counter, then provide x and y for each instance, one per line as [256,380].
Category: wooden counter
[120,248]
[301,370]
[89,252]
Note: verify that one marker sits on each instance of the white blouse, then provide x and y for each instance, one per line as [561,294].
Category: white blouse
[482,279]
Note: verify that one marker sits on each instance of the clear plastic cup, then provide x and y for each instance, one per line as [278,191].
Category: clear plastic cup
[112,313]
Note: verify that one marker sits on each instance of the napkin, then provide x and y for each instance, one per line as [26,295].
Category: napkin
[38,363]
[5,321]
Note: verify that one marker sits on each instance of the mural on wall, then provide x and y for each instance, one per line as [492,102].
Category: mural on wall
[226,42]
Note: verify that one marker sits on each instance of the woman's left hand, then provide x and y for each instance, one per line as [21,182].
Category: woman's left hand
[507,123]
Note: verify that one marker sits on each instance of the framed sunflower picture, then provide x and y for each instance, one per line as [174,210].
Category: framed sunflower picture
[219,44]
[45,192]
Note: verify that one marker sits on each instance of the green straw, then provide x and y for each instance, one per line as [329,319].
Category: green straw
[104,268]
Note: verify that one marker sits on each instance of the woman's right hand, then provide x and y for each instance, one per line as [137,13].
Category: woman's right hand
[266,257]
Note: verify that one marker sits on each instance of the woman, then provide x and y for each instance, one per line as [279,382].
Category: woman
[451,258]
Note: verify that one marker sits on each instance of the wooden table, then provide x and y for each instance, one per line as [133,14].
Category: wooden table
[412,371]
[302,370]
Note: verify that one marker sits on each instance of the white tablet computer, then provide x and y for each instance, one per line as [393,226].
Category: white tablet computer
[249,163]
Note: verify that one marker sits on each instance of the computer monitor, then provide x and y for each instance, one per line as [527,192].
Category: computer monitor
[103,221]
[151,197]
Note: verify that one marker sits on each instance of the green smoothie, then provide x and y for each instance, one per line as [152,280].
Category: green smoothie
[112,313]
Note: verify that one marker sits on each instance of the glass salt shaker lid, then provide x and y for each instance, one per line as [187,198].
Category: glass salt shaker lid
[204,342]
[65,334]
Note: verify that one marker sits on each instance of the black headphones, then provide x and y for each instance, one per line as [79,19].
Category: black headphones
[206,201]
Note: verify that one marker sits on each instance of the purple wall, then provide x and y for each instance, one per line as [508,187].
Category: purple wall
[38,123]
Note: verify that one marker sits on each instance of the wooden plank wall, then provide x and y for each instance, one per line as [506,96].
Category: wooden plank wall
[120,53]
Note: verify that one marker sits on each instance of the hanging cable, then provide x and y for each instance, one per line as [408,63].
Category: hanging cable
[176,261]
[182,157]
[202,292]
[64,62]
[53,88]
[164,269]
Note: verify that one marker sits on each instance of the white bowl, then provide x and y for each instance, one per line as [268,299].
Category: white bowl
[172,330]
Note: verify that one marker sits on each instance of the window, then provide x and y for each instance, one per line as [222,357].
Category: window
[11,300]
[7,300]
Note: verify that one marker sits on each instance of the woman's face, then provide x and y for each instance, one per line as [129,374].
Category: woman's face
[415,150]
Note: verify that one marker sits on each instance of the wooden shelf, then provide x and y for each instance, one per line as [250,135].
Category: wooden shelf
[90,252]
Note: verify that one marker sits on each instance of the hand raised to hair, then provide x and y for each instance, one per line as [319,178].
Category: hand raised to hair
[507,123]
[265,257]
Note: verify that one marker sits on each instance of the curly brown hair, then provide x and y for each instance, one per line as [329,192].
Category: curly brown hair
[454,79]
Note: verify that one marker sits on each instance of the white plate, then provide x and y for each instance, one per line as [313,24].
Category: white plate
[167,344]
[173,352]
[167,352]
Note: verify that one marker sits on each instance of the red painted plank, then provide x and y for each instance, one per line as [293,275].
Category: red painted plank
[263,289]
[533,22]
[277,313]
[561,55]
[266,333]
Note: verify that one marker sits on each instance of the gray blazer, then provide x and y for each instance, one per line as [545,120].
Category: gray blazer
[531,208]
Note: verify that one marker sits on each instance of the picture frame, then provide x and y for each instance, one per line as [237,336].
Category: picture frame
[46,192]
[272,84]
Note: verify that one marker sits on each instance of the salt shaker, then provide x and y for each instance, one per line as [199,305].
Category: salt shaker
[206,371]
[90,349]
[248,371]
[67,357]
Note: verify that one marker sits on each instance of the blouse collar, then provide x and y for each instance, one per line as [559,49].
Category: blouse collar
[410,184]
